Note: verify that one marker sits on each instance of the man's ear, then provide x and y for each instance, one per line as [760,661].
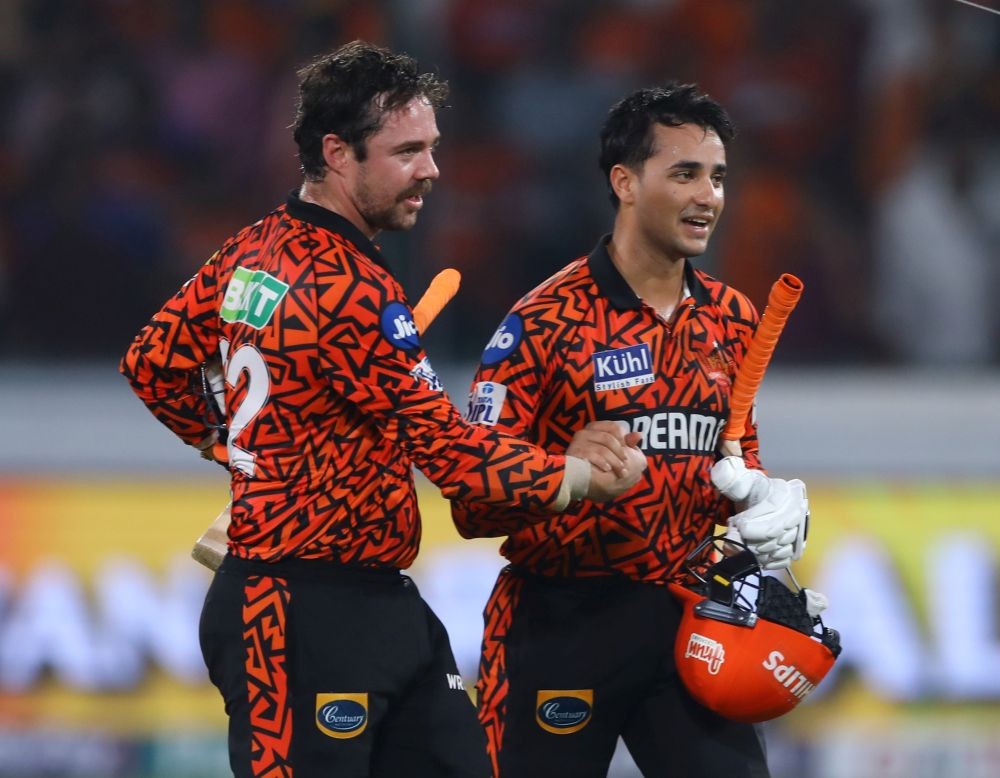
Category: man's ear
[623,182]
[336,152]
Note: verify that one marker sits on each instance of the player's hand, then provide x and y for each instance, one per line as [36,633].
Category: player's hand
[606,485]
[603,444]
[733,480]
[214,450]
[775,528]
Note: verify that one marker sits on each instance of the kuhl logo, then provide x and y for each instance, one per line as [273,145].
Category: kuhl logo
[398,327]
[342,716]
[706,650]
[564,711]
[622,368]
[251,297]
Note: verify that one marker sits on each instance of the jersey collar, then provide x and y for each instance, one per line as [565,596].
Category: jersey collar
[612,286]
[319,216]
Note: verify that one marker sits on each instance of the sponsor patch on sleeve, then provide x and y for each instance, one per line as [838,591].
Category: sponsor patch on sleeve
[398,326]
[425,373]
[505,339]
[486,403]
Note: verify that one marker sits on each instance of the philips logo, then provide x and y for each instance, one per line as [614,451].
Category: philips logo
[706,650]
[486,403]
[622,368]
[342,716]
[564,712]
[504,340]
[398,327]
[788,676]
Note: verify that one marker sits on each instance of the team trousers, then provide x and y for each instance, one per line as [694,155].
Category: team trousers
[569,665]
[330,671]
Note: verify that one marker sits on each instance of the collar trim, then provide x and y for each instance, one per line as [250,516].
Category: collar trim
[615,288]
[326,219]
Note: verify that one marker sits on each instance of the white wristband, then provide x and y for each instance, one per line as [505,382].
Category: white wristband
[575,483]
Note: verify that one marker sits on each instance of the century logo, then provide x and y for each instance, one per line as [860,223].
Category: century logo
[342,716]
[622,368]
[706,650]
[564,711]
[252,296]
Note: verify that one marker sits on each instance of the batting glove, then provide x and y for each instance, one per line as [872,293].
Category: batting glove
[775,528]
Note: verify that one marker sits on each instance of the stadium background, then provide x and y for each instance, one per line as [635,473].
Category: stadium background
[134,136]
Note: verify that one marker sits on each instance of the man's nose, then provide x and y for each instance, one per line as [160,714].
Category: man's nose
[428,170]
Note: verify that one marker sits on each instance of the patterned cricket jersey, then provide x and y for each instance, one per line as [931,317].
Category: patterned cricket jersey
[329,397]
[583,347]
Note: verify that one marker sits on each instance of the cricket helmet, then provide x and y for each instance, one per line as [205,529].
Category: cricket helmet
[747,647]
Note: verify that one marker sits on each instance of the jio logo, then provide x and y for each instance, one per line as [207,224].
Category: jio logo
[504,340]
[398,326]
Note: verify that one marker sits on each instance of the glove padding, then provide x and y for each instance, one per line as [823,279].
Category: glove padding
[775,528]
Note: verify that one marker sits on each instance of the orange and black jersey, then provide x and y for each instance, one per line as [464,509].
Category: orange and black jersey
[583,347]
[329,397]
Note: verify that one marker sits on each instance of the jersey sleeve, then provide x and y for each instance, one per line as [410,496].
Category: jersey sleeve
[507,392]
[163,363]
[372,357]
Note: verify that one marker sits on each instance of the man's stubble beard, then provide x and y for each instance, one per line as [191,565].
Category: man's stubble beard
[394,216]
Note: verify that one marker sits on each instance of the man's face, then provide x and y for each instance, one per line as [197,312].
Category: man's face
[390,184]
[679,190]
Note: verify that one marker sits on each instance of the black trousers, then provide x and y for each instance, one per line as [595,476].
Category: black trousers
[330,671]
[589,660]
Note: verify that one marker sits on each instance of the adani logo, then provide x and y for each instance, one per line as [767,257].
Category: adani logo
[342,715]
[563,712]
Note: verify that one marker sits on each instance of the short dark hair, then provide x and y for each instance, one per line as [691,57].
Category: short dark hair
[349,92]
[627,135]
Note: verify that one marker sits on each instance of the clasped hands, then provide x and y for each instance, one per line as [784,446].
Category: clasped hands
[616,461]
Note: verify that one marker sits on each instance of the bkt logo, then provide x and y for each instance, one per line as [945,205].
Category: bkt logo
[398,327]
[622,368]
[504,340]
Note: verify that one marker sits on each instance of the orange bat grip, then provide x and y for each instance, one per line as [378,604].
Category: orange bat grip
[440,290]
[781,301]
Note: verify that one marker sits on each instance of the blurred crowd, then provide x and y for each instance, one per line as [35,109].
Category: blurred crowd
[135,135]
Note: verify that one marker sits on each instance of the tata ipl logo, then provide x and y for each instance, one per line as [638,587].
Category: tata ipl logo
[342,716]
[565,711]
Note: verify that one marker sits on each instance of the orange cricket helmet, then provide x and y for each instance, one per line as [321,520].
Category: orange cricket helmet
[747,647]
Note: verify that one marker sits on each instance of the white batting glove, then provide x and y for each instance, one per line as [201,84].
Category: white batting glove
[774,529]
[745,487]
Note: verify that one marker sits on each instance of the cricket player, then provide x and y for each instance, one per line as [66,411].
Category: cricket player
[327,658]
[580,628]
